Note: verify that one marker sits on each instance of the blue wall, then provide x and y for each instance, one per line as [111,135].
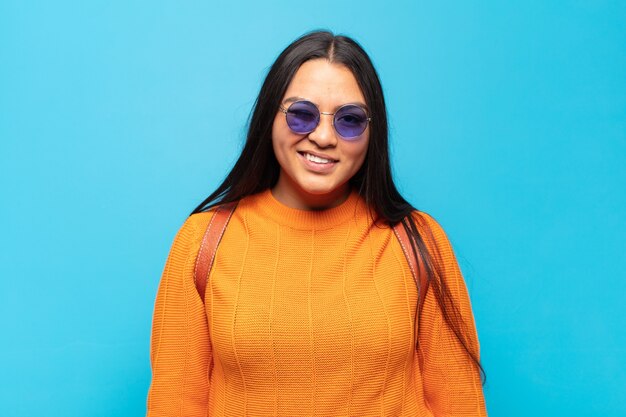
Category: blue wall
[508,124]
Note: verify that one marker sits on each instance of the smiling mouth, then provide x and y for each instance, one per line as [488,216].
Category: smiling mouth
[317,159]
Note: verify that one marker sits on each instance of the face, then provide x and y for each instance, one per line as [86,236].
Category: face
[315,168]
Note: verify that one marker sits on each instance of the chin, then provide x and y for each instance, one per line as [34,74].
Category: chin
[321,189]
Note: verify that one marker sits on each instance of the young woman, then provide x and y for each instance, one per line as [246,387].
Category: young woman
[311,306]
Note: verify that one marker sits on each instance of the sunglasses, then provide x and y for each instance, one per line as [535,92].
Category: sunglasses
[349,121]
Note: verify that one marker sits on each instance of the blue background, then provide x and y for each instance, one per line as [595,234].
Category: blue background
[508,124]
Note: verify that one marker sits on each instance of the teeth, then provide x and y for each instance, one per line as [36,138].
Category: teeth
[317,159]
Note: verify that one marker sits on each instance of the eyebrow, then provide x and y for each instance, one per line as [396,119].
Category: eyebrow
[296,98]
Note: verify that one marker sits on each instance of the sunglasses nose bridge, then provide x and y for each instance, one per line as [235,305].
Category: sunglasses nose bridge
[323,113]
[324,134]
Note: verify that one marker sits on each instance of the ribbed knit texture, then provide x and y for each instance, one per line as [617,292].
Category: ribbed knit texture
[307,313]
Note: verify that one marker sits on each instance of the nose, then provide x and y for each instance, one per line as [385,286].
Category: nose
[324,134]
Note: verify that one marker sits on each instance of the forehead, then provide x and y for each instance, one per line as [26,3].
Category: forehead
[325,83]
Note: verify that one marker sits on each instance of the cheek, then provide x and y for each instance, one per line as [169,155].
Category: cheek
[277,136]
[357,153]
[283,141]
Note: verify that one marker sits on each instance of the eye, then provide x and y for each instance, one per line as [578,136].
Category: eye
[351,116]
[351,119]
[302,114]
[303,111]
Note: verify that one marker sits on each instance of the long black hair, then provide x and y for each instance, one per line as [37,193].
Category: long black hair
[257,168]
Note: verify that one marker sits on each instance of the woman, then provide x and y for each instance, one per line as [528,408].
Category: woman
[310,306]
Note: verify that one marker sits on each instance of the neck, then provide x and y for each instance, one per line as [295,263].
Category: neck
[298,199]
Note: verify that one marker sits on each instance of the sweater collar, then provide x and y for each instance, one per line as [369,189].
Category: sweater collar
[267,206]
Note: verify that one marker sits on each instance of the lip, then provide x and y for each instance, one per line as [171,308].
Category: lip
[316,167]
[319,155]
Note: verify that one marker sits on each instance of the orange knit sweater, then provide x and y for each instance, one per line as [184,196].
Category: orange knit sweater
[307,313]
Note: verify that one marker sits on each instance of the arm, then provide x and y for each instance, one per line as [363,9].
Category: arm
[451,381]
[180,351]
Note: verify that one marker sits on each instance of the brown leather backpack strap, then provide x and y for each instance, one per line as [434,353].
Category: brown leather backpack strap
[208,248]
[417,268]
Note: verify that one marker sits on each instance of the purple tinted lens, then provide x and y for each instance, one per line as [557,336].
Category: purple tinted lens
[350,121]
[302,117]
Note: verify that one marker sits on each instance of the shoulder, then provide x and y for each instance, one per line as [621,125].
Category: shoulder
[199,221]
[435,238]
[429,227]
[192,230]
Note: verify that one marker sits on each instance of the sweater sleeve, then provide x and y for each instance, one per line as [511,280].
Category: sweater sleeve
[180,351]
[450,379]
